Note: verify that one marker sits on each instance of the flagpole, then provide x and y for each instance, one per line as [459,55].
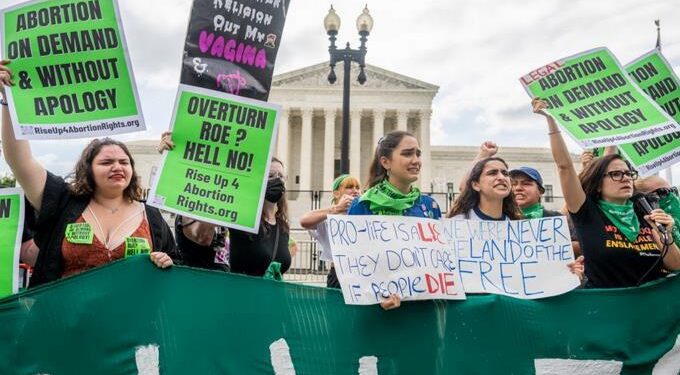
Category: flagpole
[669,171]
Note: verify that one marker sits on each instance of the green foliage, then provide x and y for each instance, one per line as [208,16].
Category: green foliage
[8,181]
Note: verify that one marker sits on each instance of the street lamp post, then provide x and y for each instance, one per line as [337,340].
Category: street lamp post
[347,56]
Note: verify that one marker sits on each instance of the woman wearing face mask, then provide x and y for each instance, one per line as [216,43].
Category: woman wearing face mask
[622,247]
[252,254]
[95,219]
[395,167]
[345,189]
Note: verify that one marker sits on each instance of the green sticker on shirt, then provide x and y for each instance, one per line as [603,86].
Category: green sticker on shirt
[136,246]
[79,233]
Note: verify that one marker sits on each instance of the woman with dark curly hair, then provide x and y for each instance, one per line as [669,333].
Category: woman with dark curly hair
[95,219]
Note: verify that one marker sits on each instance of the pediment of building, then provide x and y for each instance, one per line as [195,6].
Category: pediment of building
[316,76]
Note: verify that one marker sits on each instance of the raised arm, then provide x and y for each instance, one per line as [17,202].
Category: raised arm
[571,186]
[26,169]
[486,150]
[312,218]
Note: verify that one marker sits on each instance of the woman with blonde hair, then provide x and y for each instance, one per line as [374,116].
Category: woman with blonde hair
[345,189]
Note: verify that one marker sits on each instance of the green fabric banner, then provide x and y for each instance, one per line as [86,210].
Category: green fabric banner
[655,76]
[71,69]
[11,227]
[592,98]
[130,315]
[219,168]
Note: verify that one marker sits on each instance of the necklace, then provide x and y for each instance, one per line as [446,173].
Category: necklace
[113,210]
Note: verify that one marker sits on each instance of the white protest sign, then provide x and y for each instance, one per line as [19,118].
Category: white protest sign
[376,256]
[524,259]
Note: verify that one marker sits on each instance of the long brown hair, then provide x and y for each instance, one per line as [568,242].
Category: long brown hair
[281,208]
[591,177]
[83,178]
[385,147]
[469,197]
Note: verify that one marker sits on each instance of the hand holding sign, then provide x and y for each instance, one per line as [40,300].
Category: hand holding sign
[5,76]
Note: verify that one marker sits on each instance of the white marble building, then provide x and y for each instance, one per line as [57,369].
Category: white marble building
[387,101]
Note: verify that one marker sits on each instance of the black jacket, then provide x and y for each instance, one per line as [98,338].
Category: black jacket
[60,208]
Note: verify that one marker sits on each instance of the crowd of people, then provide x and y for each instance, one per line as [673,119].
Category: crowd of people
[98,216]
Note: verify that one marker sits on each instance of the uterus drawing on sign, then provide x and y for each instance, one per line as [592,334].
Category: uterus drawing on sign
[231,83]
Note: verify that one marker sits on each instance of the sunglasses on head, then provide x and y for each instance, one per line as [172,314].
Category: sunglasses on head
[664,191]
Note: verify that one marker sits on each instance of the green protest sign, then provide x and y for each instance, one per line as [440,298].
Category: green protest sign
[655,76]
[218,169]
[11,227]
[103,322]
[595,102]
[71,70]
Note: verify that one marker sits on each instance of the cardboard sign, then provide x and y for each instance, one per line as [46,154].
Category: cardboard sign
[231,46]
[594,100]
[376,256]
[11,228]
[71,69]
[218,170]
[417,258]
[520,258]
[655,76]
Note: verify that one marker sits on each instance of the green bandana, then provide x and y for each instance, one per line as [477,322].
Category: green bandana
[385,199]
[273,272]
[623,217]
[338,181]
[671,205]
[533,212]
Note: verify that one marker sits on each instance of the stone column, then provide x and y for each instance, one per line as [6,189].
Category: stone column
[402,120]
[355,143]
[378,126]
[426,157]
[282,141]
[328,148]
[306,150]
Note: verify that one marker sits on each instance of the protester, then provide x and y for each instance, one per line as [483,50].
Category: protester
[344,190]
[201,244]
[395,167]
[252,254]
[660,191]
[103,199]
[622,247]
[255,254]
[487,193]
[527,186]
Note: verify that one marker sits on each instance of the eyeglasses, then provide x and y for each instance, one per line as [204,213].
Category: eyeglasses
[618,175]
[664,191]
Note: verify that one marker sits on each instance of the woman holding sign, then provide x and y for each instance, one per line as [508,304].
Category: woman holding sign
[395,167]
[622,246]
[251,254]
[95,219]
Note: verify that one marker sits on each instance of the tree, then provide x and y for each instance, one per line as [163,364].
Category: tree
[8,181]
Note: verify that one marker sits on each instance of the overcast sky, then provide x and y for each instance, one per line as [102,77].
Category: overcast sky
[474,51]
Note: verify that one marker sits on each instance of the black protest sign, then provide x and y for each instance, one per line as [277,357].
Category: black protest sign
[231,46]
